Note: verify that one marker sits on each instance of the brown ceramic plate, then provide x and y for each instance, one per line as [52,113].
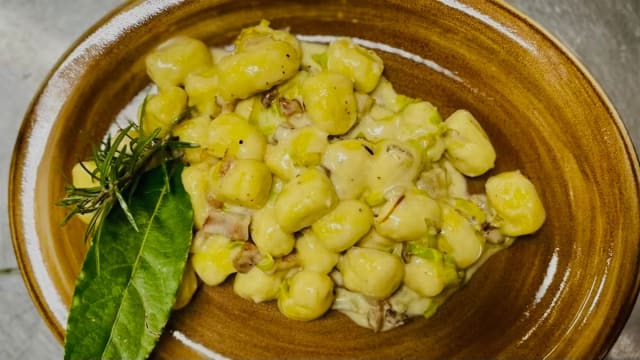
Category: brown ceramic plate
[565,292]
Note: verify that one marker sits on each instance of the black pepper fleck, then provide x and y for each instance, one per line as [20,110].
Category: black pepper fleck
[368,150]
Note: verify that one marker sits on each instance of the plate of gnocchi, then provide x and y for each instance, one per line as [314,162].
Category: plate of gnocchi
[289,179]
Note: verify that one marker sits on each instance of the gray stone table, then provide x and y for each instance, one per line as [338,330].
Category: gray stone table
[604,34]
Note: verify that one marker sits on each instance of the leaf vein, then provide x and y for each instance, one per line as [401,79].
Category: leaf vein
[135,266]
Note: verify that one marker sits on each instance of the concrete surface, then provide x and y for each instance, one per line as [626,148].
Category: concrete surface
[605,34]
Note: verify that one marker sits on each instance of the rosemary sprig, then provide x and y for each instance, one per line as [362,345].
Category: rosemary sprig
[120,161]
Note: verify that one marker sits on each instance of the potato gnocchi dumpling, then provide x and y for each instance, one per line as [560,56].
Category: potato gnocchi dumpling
[313,255]
[395,164]
[330,102]
[459,238]
[428,274]
[316,184]
[244,182]
[516,202]
[194,131]
[362,66]
[257,286]
[371,272]
[468,146]
[305,199]
[229,135]
[409,216]
[262,59]
[213,263]
[196,183]
[307,295]
[81,178]
[347,162]
[163,109]
[188,287]
[267,234]
[201,87]
[171,62]
[347,223]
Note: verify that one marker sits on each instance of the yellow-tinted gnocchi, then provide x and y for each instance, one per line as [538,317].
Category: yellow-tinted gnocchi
[468,146]
[164,109]
[409,216]
[244,182]
[213,262]
[330,102]
[170,63]
[459,238]
[364,67]
[516,201]
[194,131]
[394,165]
[347,162]
[333,182]
[263,58]
[305,199]
[344,225]
[371,272]
[313,255]
[81,178]
[196,183]
[188,287]
[257,286]
[201,87]
[229,135]
[268,235]
[306,296]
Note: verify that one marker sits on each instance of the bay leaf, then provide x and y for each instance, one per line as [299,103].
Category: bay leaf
[128,282]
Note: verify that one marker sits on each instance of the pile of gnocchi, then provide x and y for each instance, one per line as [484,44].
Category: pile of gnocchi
[320,187]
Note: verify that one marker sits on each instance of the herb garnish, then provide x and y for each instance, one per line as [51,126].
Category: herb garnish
[129,279]
[140,234]
[120,161]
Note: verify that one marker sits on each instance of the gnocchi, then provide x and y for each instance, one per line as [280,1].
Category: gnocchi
[313,255]
[516,201]
[316,184]
[257,286]
[171,62]
[164,109]
[81,178]
[304,199]
[371,272]
[306,296]
[363,67]
[344,225]
[330,102]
